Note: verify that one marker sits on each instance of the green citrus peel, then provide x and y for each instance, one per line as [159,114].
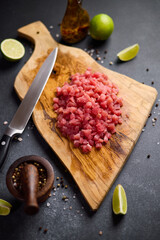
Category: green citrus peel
[12,49]
[119,200]
[5,207]
[128,53]
[101,26]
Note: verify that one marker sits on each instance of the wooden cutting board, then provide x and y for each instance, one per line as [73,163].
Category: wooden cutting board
[96,171]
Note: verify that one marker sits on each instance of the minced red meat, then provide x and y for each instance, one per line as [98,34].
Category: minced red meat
[88,109]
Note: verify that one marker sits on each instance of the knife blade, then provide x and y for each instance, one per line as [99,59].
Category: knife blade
[24,111]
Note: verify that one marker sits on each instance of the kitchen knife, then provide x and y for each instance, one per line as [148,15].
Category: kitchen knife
[26,107]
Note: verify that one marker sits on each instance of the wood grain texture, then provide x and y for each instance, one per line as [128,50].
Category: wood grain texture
[30,178]
[96,171]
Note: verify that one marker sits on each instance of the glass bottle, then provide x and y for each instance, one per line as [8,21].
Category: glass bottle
[75,23]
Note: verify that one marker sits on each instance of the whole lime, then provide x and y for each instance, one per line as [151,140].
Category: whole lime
[101,26]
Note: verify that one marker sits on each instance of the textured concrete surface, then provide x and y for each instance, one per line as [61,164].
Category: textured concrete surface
[135,22]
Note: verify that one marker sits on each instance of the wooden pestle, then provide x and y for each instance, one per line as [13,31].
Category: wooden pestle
[28,181]
[30,178]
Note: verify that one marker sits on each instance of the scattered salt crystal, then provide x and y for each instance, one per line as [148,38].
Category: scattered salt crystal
[158,143]
[110,63]
[51,27]
[3,143]
[143,130]
[5,123]
[48,204]
[74,196]
[57,35]
[20,139]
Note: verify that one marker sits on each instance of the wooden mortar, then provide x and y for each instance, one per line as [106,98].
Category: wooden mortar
[29,181]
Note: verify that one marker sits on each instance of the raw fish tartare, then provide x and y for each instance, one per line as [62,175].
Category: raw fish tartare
[88,109]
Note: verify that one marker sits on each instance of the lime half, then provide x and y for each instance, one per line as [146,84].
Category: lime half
[5,207]
[119,200]
[12,49]
[128,53]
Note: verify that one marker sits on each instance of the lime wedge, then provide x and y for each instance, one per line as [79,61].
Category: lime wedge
[12,49]
[5,203]
[5,207]
[119,200]
[128,53]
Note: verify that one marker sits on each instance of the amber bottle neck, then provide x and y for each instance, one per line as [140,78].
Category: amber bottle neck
[73,3]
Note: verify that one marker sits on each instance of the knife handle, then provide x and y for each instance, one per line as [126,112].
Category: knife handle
[4,146]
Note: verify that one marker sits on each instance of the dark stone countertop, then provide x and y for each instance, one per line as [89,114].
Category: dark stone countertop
[135,22]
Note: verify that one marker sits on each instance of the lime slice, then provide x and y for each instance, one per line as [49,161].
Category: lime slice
[119,200]
[5,207]
[12,49]
[128,53]
[4,211]
[101,27]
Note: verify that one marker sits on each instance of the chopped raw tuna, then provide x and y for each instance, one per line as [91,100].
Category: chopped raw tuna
[88,109]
